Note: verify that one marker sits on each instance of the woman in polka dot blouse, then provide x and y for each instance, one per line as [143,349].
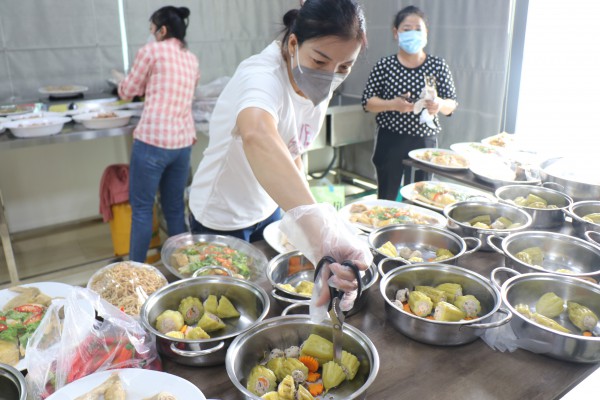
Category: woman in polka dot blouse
[394,84]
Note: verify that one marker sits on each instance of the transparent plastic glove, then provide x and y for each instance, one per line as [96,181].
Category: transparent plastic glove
[117,75]
[317,231]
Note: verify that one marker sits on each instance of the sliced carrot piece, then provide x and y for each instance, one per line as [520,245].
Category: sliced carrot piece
[587,333]
[313,376]
[315,388]
[311,363]
[407,308]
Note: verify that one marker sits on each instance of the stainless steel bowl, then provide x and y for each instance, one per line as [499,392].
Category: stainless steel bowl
[439,332]
[580,209]
[560,252]
[460,213]
[426,239]
[251,301]
[12,383]
[527,289]
[542,218]
[292,267]
[257,261]
[593,237]
[570,173]
[249,348]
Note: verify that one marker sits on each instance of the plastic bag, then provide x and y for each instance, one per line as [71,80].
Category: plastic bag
[71,343]
[317,230]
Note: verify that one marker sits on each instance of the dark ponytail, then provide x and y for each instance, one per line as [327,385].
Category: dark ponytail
[175,19]
[319,18]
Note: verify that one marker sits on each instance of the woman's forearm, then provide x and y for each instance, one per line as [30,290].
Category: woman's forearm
[270,160]
[377,104]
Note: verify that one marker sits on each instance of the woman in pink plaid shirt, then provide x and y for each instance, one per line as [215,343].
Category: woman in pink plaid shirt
[166,73]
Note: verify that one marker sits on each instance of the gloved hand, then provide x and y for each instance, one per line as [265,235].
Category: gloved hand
[317,231]
[117,75]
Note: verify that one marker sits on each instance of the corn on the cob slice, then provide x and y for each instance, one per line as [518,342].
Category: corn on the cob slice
[581,316]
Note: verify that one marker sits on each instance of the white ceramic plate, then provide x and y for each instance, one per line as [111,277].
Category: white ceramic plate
[2,121]
[91,121]
[63,90]
[52,289]
[276,239]
[499,174]
[434,218]
[502,140]
[459,192]
[138,384]
[39,114]
[37,127]
[416,154]
[138,105]
[10,110]
[474,149]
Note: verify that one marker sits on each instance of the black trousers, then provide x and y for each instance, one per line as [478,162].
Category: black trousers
[391,148]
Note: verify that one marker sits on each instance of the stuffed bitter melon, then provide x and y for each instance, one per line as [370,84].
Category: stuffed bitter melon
[333,375]
[434,294]
[318,347]
[581,316]
[452,290]
[420,304]
[550,305]
[469,305]
[447,312]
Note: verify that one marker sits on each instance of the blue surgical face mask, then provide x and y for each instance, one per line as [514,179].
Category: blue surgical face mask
[412,41]
[315,84]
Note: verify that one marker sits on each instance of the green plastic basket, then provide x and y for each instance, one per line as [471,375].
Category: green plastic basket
[332,194]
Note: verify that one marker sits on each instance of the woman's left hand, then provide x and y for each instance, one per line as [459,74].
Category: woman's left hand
[433,106]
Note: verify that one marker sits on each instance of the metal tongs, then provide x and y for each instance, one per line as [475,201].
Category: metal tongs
[335,312]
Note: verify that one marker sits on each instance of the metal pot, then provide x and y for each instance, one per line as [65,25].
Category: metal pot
[458,215]
[527,289]
[249,348]
[542,218]
[580,209]
[256,259]
[569,173]
[593,237]
[250,300]
[426,239]
[439,332]
[560,252]
[281,271]
[12,383]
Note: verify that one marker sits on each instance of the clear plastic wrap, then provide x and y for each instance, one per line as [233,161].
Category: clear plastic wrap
[71,342]
[317,231]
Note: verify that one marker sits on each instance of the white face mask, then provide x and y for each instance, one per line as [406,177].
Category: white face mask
[151,38]
[315,84]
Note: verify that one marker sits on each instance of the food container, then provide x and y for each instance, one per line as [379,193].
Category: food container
[580,209]
[578,178]
[527,289]
[593,237]
[281,332]
[12,383]
[440,332]
[37,127]
[293,267]
[102,120]
[542,218]
[560,252]
[256,262]
[127,284]
[426,239]
[251,301]
[461,212]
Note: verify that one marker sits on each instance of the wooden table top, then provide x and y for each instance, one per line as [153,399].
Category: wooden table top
[413,370]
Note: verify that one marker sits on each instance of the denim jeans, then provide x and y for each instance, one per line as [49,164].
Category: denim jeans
[250,234]
[155,169]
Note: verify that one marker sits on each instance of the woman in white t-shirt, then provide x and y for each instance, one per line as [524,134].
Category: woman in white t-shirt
[266,117]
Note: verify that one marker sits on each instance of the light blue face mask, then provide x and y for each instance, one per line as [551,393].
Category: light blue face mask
[412,41]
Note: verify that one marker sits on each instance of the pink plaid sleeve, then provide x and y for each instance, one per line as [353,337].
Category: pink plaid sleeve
[134,83]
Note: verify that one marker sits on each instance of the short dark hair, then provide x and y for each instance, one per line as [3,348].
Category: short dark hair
[405,12]
[175,19]
[320,18]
